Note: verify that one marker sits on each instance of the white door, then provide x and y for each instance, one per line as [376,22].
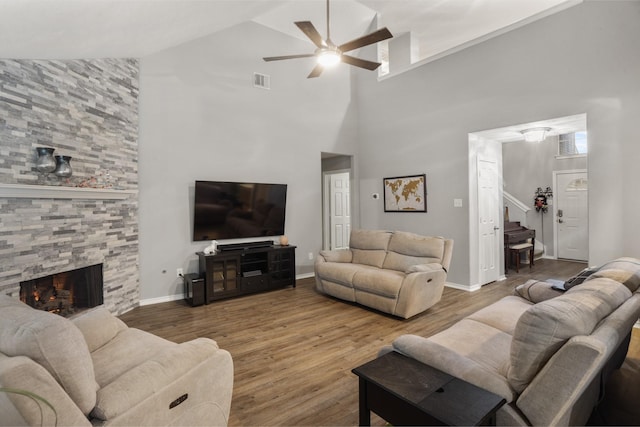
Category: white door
[489,215]
[340,211]
[571,214]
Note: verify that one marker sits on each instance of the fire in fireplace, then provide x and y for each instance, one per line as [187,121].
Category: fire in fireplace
[65,293]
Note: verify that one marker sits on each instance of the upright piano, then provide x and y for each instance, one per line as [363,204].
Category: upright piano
[515,233]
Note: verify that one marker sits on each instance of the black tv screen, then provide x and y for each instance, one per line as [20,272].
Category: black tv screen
[232,210]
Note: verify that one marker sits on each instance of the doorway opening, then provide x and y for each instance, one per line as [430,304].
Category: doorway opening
[554,165]
[337,179]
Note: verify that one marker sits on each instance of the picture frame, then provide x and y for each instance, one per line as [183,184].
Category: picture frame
[405,193]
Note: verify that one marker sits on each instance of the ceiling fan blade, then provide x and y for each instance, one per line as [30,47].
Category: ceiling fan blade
[311,32]
[317,70]
[280,58]
[362,63]
[371,38]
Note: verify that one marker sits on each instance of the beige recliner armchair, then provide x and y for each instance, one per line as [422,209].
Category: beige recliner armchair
[94,370]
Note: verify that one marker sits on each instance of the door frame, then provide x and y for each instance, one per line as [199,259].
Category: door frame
[486,149]
[326,201]
[555,210]
[483,278]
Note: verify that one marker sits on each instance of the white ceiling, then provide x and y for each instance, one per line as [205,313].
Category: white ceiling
[558,125]
[65,29]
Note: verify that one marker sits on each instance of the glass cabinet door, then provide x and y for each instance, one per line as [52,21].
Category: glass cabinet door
[223,276]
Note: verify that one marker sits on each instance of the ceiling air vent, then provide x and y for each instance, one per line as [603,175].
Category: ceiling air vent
[262,81]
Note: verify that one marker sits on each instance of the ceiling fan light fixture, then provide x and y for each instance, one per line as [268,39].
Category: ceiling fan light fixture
[535,134]
[328,54]
[328,57]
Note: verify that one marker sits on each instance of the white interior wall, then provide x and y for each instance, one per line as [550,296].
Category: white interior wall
[201,119]
[419,121]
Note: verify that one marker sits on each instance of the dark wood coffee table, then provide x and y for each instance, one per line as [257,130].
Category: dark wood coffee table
[404,391]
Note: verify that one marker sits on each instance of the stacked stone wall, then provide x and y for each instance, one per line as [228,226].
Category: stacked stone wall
[86,109]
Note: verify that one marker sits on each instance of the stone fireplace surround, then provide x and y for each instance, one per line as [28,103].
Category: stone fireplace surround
[87,109]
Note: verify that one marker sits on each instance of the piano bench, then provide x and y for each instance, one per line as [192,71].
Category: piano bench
[517,250]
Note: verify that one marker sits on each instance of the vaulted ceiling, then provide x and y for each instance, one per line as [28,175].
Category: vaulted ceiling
[65,29]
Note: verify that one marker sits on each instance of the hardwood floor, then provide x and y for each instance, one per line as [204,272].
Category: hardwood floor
[293,349]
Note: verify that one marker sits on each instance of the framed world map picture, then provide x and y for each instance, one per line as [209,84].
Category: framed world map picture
[405,194]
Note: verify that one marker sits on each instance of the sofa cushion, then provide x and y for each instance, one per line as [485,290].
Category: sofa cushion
[98,326]
[369,247]
[546,326]
[407,249]
[369,239]
[52,341]
[372,258]
[502,314]
[338,272]
[624,270]
[125,351]
[537,291]
[627,278]
[381,282]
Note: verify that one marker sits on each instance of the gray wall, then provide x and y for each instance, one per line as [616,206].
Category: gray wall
[201,119]
[529,165]
[582,60]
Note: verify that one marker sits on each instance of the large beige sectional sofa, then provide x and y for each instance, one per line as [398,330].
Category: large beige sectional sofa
[550,357]
[399,273]
[94,370]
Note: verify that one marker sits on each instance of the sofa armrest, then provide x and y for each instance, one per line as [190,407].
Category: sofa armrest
[421,288]
[558,395]
[155,377]
[337,255]
[22,373]
[425,268]
[456,364]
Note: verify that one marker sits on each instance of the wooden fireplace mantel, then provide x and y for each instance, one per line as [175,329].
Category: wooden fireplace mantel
[28,191]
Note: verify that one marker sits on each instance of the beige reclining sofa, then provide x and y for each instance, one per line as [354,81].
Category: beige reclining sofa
[94,370]
[549,358]
[399,273]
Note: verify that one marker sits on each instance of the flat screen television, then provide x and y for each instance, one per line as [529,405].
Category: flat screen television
[232,210]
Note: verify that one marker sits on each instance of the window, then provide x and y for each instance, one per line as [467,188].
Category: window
[572,144]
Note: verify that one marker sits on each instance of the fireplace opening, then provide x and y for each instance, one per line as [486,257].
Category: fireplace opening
[65,293]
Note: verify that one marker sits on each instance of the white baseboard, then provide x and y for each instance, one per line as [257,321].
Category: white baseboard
[175,297]
[471,288]
[158,300]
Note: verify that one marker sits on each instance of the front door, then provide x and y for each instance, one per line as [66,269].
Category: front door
[489,214]
[340,210]
[571,215]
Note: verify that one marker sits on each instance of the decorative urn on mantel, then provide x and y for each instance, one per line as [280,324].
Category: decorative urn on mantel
[63,167]
[45,162]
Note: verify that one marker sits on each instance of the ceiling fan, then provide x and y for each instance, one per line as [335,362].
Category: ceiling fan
[327,53]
